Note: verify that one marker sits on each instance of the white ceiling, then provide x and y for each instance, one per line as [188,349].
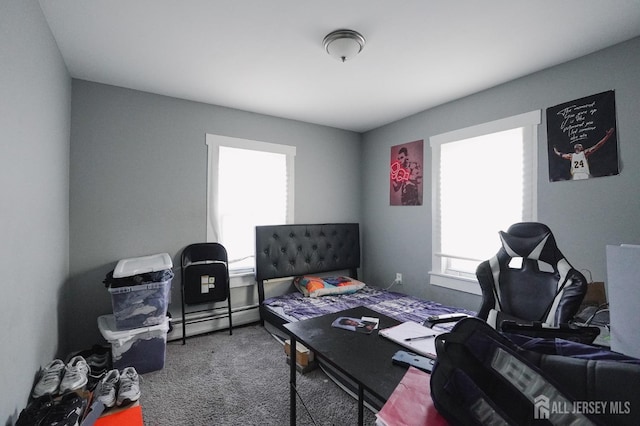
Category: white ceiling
[266,56]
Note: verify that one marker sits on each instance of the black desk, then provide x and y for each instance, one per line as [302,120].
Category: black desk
[363,358]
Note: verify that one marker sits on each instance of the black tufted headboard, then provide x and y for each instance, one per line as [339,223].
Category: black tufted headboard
[292,250]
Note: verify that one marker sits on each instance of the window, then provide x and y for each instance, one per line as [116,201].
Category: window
[250,183]
[484,180]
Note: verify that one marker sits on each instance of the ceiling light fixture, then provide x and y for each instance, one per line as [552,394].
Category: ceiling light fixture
[344,44]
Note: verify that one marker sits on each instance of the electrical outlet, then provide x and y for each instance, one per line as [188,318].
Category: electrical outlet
[398,278]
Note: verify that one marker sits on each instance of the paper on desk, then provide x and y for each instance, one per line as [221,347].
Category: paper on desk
[410,329]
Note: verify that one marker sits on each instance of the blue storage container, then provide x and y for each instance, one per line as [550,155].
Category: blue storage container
[140,291]
[143,348]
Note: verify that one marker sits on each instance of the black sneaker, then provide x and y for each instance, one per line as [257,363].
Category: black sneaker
[95,378]
[66,412]
[98,357]
[36,411]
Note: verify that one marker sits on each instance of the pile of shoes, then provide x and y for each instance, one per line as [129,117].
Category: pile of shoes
[67,410]
[62,392]
[57,395]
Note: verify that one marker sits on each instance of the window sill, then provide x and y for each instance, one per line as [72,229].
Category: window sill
[241,279]
[241,273]
[466,285]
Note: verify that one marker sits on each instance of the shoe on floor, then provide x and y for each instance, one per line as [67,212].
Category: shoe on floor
[107,389]
[129,390]
[36,411]
[98,362]
[49,381]
[98,357]
[68,411]
[75,374]
[95,377]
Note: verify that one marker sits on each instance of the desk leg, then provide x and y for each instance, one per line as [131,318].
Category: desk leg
[360,405]
[292,382]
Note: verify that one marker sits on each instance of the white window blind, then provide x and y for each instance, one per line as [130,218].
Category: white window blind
[484,180]
[250,183]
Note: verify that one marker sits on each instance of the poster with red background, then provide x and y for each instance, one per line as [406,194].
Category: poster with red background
[405,174]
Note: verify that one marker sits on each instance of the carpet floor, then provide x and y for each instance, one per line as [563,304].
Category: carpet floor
[242,379]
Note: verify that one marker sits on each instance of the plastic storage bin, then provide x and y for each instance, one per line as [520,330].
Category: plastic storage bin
[141,305]
[142,265]
[142,348]
[140,290]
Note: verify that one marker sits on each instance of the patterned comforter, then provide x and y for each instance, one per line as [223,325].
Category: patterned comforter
[296,307]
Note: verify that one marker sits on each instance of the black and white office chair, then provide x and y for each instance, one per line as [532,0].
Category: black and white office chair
[529,286]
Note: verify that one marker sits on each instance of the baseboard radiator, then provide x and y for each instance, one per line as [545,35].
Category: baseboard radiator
[206,321]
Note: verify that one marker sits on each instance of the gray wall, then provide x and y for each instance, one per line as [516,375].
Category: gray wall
[138,183]
[585,216]
[35,103]
[129,180]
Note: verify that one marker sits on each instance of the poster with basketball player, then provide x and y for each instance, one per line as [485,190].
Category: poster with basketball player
[406,174]
[581,138]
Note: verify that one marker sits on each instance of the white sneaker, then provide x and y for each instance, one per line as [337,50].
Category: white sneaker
[108,388]
[75,374]
[129,386]
[49,381]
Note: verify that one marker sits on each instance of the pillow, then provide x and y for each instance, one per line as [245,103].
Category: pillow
[323,286]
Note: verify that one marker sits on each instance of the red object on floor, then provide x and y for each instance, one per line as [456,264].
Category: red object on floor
[128,417]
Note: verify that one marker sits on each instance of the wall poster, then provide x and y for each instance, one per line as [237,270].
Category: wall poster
[406,174]
[581,138]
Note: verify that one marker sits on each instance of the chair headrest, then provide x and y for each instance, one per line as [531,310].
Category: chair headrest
[527,247]
[531,240]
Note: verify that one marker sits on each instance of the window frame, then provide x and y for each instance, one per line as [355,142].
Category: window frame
[213,143]
[529,122]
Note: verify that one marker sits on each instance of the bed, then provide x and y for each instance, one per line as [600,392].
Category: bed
[330,252]
[324,250]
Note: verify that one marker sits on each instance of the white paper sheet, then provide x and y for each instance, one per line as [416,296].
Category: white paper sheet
[410,330]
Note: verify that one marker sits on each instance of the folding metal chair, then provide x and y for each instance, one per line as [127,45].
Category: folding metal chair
[205,278]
